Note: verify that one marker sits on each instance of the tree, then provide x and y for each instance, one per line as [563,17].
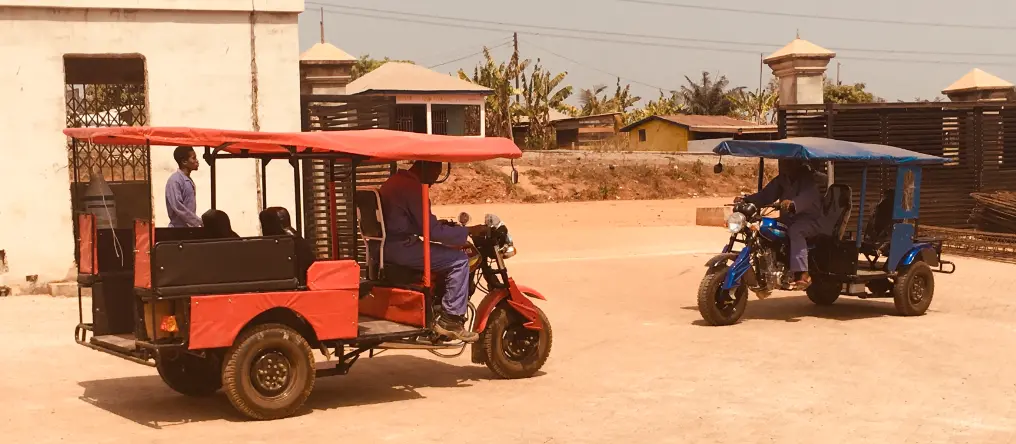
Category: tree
[499,77]
[623,99]
[759,107]
[366,64]
[663,106]
[711,97]
[591,103]
[541,92]
[856,93]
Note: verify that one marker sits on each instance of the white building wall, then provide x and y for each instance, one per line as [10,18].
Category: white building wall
[199,74]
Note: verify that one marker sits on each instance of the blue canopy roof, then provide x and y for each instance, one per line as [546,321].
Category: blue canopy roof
[817,148]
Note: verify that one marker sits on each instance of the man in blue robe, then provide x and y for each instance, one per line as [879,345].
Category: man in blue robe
[402,204]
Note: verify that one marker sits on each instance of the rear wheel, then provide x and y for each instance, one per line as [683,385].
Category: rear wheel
[191,375]
[914,290]
[823,292]
[716,305]
[511,350]
[269,373]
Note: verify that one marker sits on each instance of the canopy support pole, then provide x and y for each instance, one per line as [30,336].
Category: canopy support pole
[860,209]
[296,191]
[761,172]
[264,183]
[830,173]
[426,236]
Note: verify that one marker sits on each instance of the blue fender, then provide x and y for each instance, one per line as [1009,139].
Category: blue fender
[923,252]
[741,265]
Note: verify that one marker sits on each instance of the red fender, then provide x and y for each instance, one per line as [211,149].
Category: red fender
[517,298]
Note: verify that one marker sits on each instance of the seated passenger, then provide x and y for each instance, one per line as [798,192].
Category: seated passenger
[800,206]
[402,204]
[275,221]
[217,224]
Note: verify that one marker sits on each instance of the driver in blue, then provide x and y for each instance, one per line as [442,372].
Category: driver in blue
[402,204]
[800,203]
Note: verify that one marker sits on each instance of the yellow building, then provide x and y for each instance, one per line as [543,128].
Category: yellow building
[672,133]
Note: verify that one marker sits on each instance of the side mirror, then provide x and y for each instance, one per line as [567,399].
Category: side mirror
[718,168]
[464,218]
[515,176]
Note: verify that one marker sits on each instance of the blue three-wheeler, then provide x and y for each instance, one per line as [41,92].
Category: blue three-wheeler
[883,258]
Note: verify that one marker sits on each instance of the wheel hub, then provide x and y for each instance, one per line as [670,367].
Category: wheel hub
[520,342]
[917,290]
[271,373]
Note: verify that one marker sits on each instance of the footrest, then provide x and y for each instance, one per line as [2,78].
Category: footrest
[118,343]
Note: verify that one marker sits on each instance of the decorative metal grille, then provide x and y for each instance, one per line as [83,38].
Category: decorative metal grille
[107,105]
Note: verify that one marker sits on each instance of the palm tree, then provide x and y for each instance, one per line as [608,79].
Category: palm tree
[540,94]
[711,97]
[501,112]
[365,64]
[759,107]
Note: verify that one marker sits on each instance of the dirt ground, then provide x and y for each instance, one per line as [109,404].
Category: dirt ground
[631,361]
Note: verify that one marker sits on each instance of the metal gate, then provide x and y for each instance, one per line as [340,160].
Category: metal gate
[329,186]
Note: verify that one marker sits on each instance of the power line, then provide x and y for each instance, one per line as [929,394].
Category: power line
[592,67]
[651,36]
[655,44]
[468,56]
[818,16]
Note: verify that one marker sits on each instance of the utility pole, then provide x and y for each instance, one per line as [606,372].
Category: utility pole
[515,37]
[761,70]
[322,24]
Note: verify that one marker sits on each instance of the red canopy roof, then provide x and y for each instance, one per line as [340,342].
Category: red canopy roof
[376,144]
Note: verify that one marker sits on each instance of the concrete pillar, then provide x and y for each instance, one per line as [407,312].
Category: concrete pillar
[979,86]
[800,68]
[483,120]
[325,69]
[430,120]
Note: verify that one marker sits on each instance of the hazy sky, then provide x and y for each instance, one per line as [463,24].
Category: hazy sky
[945,50]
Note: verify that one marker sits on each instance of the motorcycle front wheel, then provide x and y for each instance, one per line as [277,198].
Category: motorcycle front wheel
[716,305]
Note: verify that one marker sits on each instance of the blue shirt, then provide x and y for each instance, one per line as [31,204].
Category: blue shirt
[402,205]
[181,201]
[803,192]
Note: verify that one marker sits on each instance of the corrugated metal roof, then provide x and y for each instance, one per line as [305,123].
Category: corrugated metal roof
[708,124]
[396,77]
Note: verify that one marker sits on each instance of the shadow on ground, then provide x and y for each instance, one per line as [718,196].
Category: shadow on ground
[147,401]
[794,308]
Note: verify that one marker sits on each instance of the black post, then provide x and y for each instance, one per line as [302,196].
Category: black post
[264,183]
[211,164]
[296,192]
[761,173]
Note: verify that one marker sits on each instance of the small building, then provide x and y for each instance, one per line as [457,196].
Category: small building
[979,86]
[520,129]
[203,63]
[672,133]
[585,131]
[426,101]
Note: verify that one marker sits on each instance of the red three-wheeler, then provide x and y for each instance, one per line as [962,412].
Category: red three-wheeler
[213,310]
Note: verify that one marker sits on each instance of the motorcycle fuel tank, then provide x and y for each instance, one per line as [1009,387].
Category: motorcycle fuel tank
[772,229]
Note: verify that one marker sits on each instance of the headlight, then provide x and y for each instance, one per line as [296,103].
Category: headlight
[735,222]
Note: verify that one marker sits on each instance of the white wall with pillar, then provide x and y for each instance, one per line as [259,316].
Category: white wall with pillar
[447,113]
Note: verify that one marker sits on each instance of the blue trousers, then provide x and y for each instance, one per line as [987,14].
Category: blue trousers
[800,231]
[450,262]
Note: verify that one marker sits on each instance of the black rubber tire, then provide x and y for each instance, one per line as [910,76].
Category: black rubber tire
[710,285]
[823,292]
[492,342]
[916,277]
[236,374]
[191,375]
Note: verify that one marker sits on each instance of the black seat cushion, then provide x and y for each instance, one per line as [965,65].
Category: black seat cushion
[217,224]
[836,209]
[275,221]
[879,228]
